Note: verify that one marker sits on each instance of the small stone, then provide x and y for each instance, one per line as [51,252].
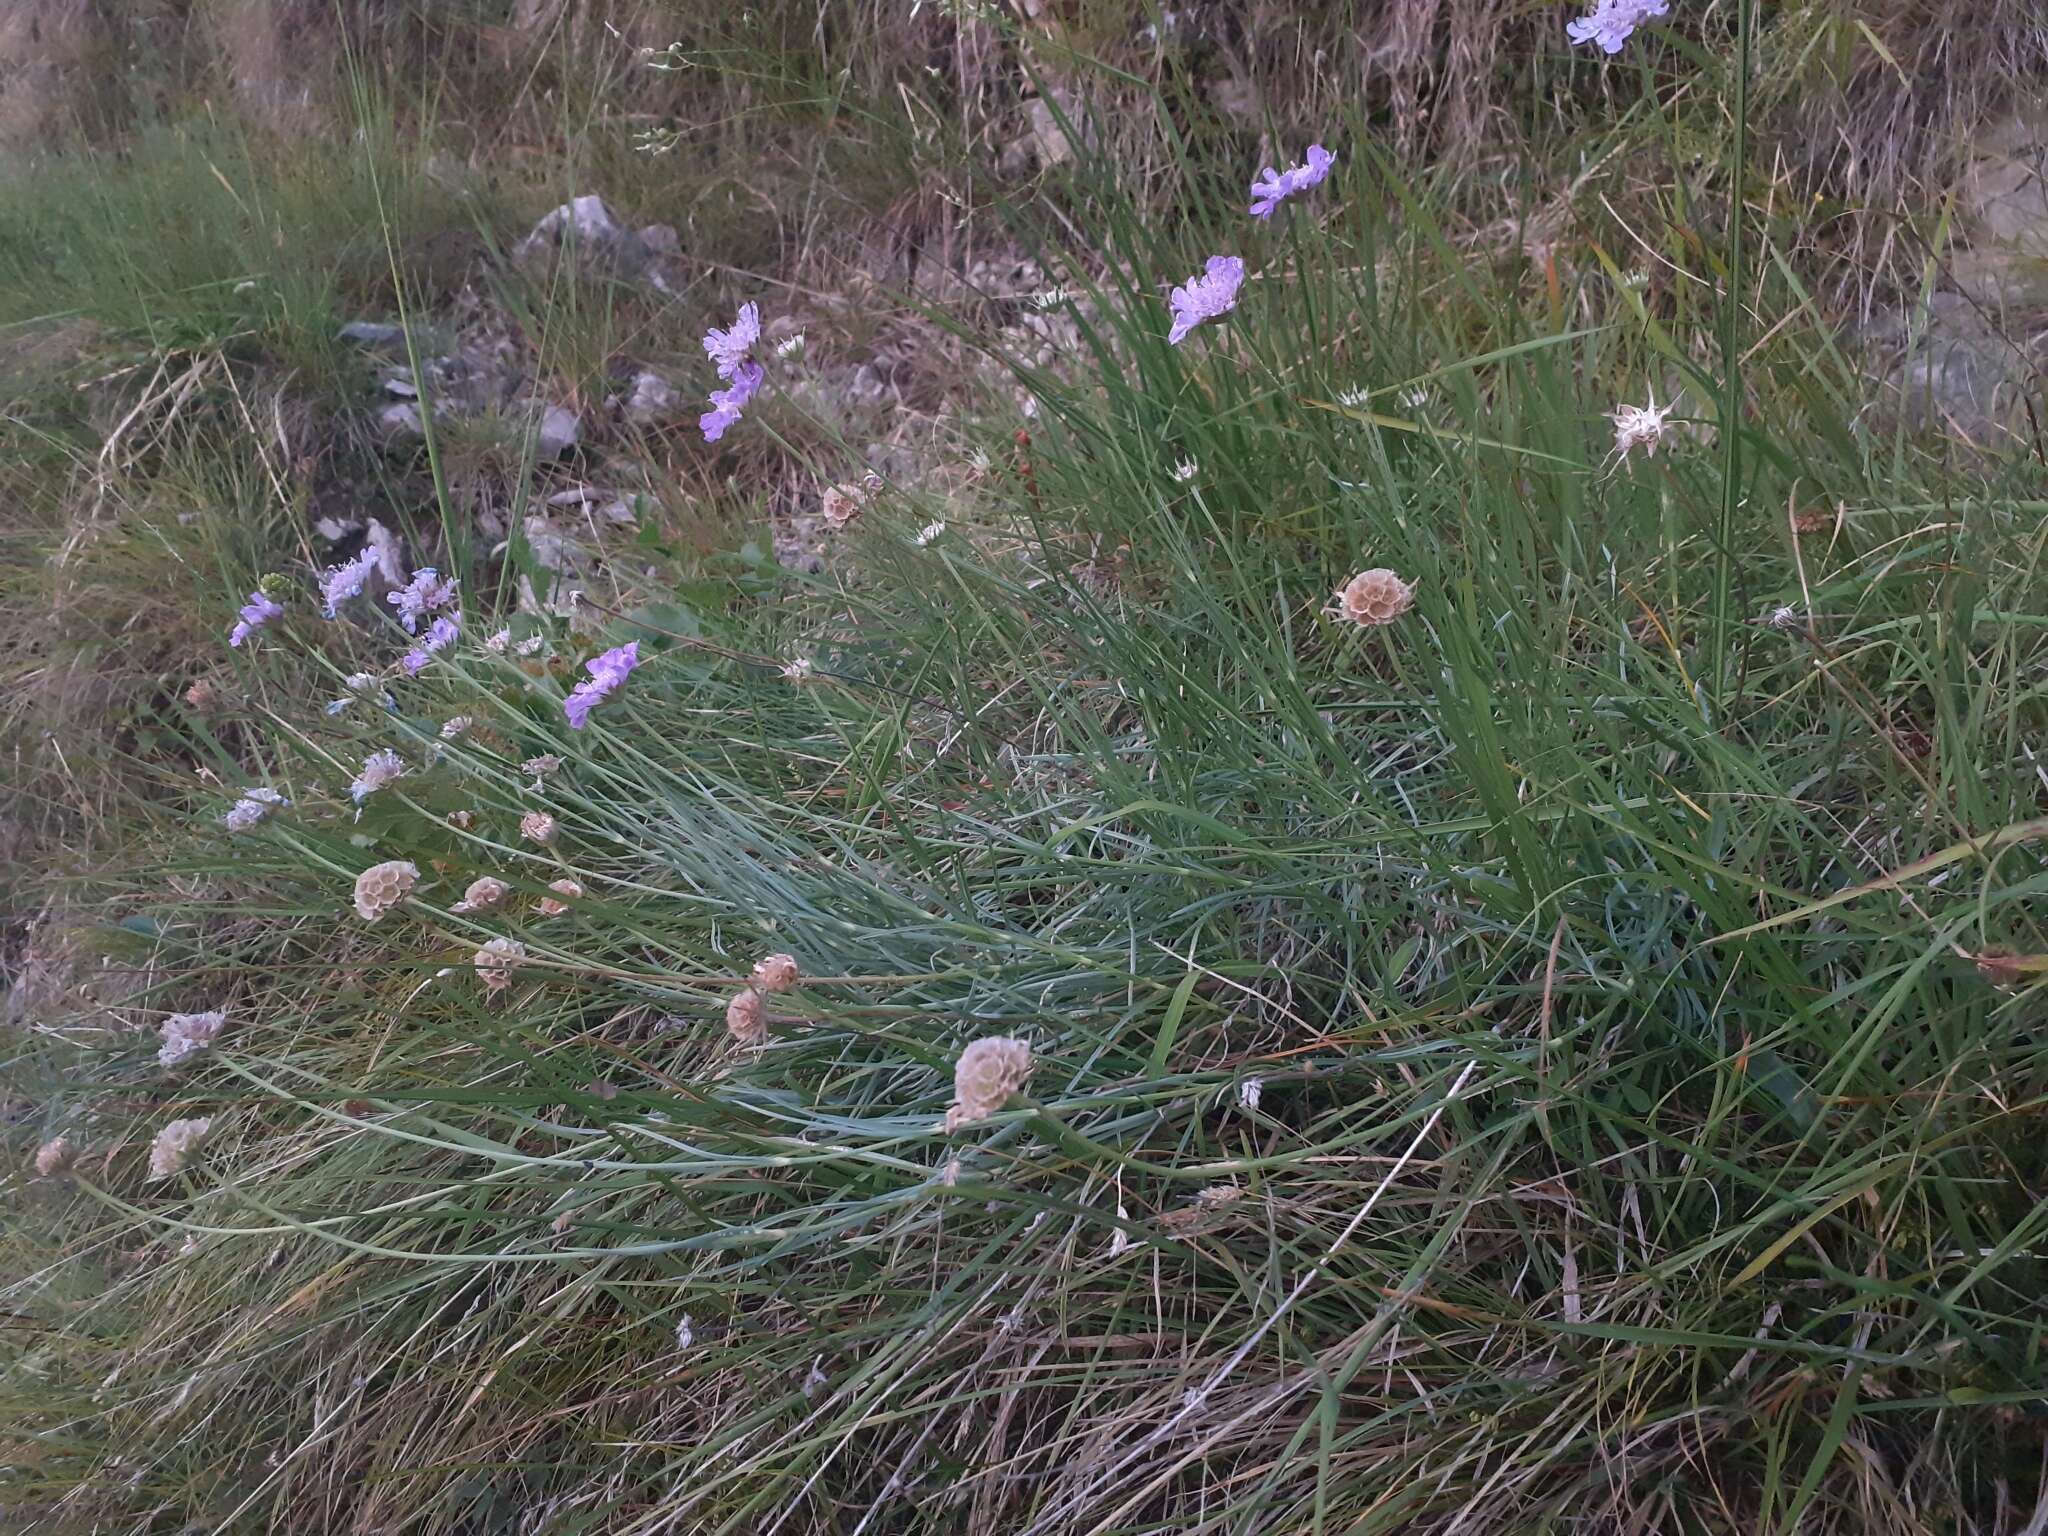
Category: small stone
[651,399]
[559,432]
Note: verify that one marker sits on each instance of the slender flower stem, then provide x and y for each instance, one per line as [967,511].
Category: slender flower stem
[1731,368]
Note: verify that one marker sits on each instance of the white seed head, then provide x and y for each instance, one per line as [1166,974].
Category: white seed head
[383,886]
[485,894]
[497,962]
[988,1073]
[174,1144]
[1378,596]
[566,890]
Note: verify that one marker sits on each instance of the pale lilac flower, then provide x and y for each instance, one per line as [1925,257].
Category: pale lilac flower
[424,594]
[249,811]
[379,768]
[801,670]
[1611,22]
[730,349]
[440,635]
[1206,297]
[497,643]
[728,403]
[187,1034]
[174,1144]
[257,612]
[1271,188]
[344,581]
[607,672]
[1640,426]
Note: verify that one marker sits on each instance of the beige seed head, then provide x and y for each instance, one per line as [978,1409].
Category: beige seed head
[566,889]
[988,1073]
[174,1144]
[383,886]
[484,894]
[1378,596]
[54,1156]
[776,973]
[746,1018]
[497,961]
[538,827]
[842,504]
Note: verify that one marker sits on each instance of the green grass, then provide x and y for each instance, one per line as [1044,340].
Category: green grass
[1569,1199]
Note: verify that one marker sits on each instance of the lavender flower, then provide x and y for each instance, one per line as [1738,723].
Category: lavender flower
[424,594]
[607,672]
[729,402]
[1202,298]
[1271,188]
[174,1145]
[187,1034]
[250,810]
[1610,22]
[257,612]
[344,581]
[379,768]
[731,349]
[439,636]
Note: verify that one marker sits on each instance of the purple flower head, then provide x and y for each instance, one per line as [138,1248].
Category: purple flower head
[344,581]
[1204,298]
[729,402]
[730,349]
[1272,188]
[607,672]
[1610,22]
[255,613]
[426,592]
[439,636]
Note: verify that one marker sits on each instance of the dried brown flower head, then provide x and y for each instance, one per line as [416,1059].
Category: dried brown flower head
[1378,596]
[776,973]
[54,1156]
[383,886]
[202,696]
[538,827]
[746,1018]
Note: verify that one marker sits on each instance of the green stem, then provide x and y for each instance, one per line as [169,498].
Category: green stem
[1731,368]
